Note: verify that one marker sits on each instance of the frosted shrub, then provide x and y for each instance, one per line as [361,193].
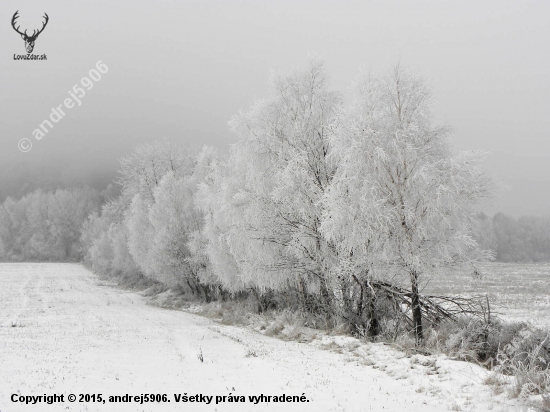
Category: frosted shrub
[101,255]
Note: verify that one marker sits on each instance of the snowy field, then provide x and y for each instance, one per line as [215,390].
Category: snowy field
[63,331]
[517,291]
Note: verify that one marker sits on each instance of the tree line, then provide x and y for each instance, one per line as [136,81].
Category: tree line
[523,239]
[46,225]
[338,210]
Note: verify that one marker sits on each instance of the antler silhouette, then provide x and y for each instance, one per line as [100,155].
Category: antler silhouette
[35,33]
[15,16]
[43,26]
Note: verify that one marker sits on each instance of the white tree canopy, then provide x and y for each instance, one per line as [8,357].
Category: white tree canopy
[270,187]
[399,196]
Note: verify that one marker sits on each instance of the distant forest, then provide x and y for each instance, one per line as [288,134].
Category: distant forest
[24,177]
[48,225]
[526,239]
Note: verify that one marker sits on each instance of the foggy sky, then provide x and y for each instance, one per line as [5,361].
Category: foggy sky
[181,69]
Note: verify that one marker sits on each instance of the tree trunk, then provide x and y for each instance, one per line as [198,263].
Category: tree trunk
[416,310]
[325,296]
[259,299]
[206,292]
[224,294]
[361,297]
[305,298]
[348,302]
[193,291]
[373,325]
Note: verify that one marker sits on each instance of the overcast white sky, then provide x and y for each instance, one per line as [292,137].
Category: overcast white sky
[181,69]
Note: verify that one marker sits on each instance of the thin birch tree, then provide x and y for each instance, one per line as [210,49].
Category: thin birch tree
[400,200]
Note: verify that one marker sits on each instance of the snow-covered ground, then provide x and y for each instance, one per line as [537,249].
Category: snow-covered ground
[63,331]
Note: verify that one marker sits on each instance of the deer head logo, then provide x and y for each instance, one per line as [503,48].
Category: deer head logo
[29,40]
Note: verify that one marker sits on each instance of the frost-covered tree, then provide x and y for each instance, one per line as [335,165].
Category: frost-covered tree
[526,239]
[93,228]
[140,232]
[173,218]
[67,210]
[162,218]
[141,174]
[122,262]
[223,235]
[105,238]
[46,225]
[9,229]
[101,254]
[198,244]
[142,170]
[400,201]
[269,190]
[38,242]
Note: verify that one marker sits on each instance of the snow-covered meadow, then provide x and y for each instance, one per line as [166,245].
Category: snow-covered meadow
[65,331]
[517,291]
